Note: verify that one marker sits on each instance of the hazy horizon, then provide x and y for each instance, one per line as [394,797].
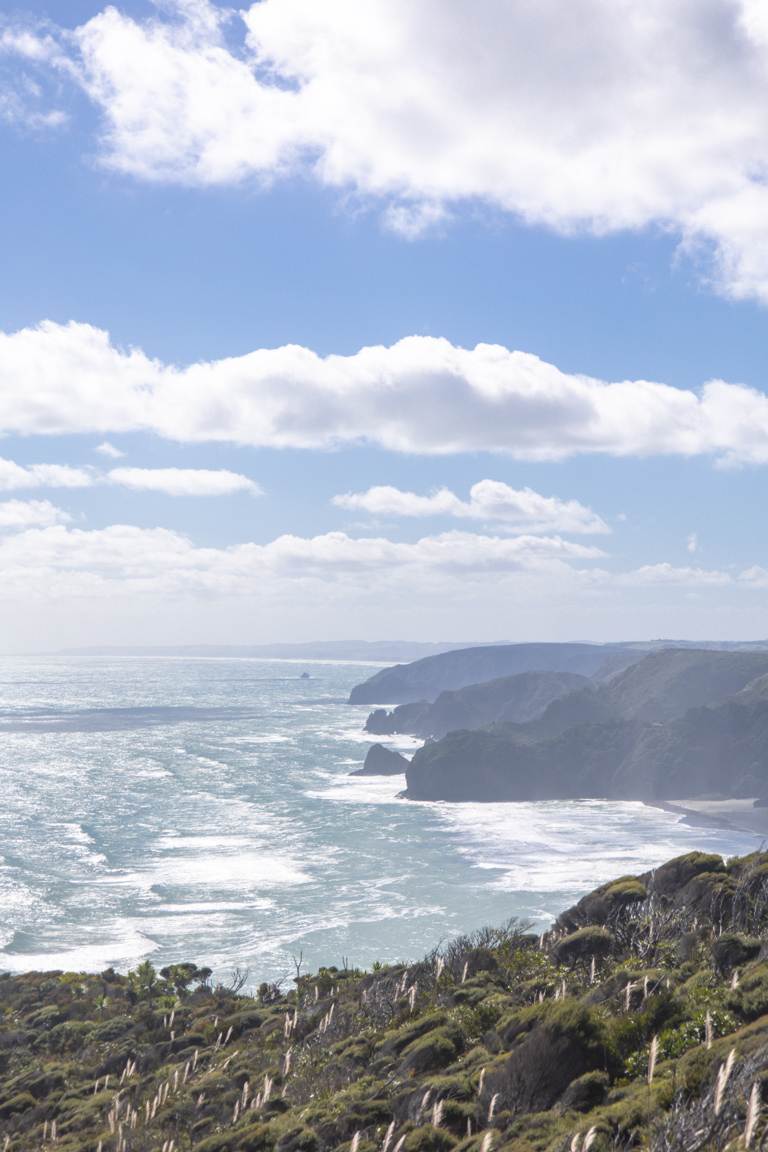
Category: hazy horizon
[362,642]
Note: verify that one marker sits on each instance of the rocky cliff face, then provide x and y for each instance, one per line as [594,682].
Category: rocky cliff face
[635,737]
[506,764]
[509,699]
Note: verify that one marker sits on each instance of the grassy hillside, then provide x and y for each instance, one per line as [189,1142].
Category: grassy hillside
[641,1020]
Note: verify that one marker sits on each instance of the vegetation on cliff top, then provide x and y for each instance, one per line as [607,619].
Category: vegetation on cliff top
[640,1020]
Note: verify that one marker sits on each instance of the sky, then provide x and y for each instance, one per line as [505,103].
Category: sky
[373,320]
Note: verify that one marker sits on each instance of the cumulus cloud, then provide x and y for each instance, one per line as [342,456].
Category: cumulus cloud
[49,560]
[140,585]
[184,481]
[594,116]
[28,513]
[14,476]
[59,559]
[170,481]
[489,500]
[127,558]
[692,542]
[420,395]
[37,45]
[109,450]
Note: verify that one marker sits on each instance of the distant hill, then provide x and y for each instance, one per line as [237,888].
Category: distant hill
[510,699]
[377,651]
[668,683]
[425,679]
[675,725]
[658,687]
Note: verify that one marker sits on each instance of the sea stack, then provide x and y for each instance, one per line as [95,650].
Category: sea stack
[381,761]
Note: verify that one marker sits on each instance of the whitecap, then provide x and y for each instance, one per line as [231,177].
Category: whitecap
[240,870]
[362,789]
[128,947]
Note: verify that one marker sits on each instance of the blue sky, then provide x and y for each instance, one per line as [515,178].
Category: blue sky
[124,223]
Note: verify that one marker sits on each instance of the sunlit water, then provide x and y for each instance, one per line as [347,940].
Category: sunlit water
[202,809]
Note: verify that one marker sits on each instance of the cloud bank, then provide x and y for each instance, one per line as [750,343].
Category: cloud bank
[127,584]
[421,395]
[489,500]
[594,116]
[79,561]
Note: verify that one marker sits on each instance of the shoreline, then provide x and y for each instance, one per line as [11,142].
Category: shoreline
[737,815]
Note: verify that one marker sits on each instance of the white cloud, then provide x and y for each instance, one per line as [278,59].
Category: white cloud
[592,116]
[109,450]
[15,476]
[489,500]
[757,576]
[184,481]
[24,101]
[135,585]
[29,513]
[171,481]
[692,543]
[420,395]
[124,558]
[18,109]
[35,45]
[668,574]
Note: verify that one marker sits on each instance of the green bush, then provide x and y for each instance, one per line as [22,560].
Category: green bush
[582,945]
[731,950]
[436,1049]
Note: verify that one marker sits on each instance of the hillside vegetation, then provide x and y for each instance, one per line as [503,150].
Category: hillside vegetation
[639,1021]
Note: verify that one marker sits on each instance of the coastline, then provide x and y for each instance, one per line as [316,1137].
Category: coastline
[739,815]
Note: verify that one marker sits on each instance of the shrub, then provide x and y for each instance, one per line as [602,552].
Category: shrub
[428,1139]
[567,1040]
[586,1092]
[582,945]
[21,1102]
[438,1048]
[731,951]
[671,877]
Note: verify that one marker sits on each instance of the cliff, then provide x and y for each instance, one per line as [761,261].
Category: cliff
[426,679]
[509,699]
[674,726]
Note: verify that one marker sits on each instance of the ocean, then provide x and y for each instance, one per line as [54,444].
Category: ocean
[202,809]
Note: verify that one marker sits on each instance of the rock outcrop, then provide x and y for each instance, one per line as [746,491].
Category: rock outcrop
[381,761]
